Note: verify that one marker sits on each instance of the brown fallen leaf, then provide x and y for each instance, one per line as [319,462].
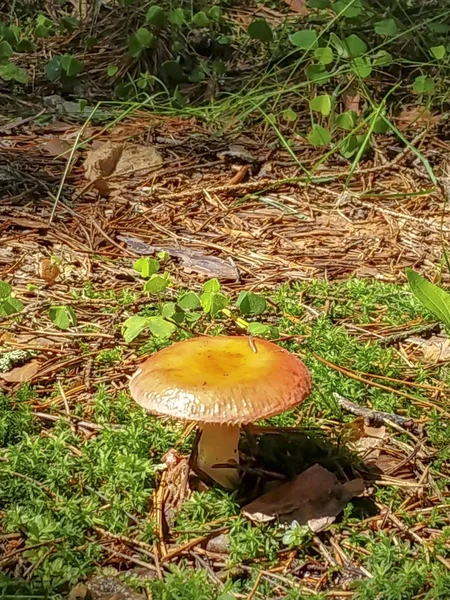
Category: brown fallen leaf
[23,373]
[191,260]
[370,443]
[55,146]
[298,6]
[352,101]
[436,349]
[314,498]
[416,115]
[114,159]
[48,270]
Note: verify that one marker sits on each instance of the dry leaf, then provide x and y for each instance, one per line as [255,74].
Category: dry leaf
[48,270]
[114,159]
[366,441]
[315,497]
[57,147]
[298,6]
[352,101]
[436,349]
[78,592]
[191,260]
[23,373]
[416,115]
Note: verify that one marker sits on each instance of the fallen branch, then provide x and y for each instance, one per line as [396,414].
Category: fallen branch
[375,416]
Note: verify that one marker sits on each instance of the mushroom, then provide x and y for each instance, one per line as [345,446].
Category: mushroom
[221,383]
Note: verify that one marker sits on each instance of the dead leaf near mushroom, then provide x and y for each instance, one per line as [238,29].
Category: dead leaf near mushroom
[117,159]
[314,498]
[23,373]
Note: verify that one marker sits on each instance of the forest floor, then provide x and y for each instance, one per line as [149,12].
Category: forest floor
[88,494]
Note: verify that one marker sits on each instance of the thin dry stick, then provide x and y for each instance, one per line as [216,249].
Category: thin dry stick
[353,375]
[373,415]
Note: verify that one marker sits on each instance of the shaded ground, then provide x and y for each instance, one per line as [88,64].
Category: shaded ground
[81,464]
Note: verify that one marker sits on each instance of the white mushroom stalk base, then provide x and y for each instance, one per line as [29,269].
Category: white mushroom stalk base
[219,445]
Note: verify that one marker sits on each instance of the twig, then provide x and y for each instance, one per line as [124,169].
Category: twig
[403,335]
[376,416]
[6,557]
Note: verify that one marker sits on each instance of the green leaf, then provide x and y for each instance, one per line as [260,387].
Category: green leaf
[63,316]
[257,329]
[289,115]
[197,74]
[160,327]
[112,70]
[423,84]
[200,19]
[53,68]
[41,31]
[340,45]
[215,13]
[355,45]
[25,46]
[142,39]
[382,59]
[317,74]
[5,50]
[381,125]
[432,297]
[347,8]
[69,24]
[346,120]
[319,136]
[438,52]
[324,56]
[259,29]
[318,3]
[321,104]
[171,311]
[213,302]
[351,145]
[362,66]
[305,39]
[173,70]
[43,20]
[212,285]
[133,326]
[156,284]
[11,72]
[71,65]
[189,301]
[192,317]
[146,266]
[10,305]
[251,304]
[156,16]
[145,37]
[387,27]
[176,17]
[5,289]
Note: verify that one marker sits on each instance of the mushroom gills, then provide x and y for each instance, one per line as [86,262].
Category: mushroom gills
[218,444]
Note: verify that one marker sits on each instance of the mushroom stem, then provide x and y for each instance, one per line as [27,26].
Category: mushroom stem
[218,445]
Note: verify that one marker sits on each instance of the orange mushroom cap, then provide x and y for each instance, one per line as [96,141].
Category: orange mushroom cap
[221,380]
